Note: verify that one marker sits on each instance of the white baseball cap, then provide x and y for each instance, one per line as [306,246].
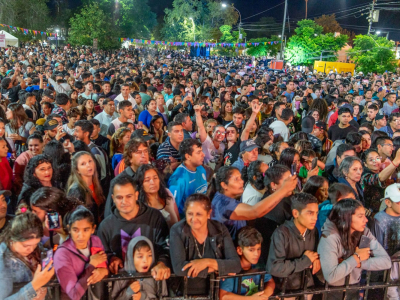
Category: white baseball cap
[392,192]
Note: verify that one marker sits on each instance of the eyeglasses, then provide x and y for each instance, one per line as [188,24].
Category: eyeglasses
[230,131]
[219,132]
[142,152]
[376,159]
[390,145]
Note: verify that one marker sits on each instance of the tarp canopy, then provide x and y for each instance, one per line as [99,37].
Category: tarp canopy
[10,39]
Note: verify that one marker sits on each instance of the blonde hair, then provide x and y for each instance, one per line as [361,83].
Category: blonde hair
[116,138]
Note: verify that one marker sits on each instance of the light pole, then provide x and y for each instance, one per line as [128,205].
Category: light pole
[283,28]
[240,18]
[194,29]
[379,32]
[306,8]
[57,31]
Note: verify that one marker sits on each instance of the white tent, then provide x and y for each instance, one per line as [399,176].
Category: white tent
[10,39]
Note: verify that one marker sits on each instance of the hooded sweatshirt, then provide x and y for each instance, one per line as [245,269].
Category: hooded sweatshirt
[148,286]
[73,269]
[116,232]
[330,250]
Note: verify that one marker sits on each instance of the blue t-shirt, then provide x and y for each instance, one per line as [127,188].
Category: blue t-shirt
[324,209]
[117,157]
[146,117]
[249,284]
[184,182]
[222,209]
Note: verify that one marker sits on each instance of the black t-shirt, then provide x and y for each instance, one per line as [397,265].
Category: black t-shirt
[232,154]
[12,93]
[337,133]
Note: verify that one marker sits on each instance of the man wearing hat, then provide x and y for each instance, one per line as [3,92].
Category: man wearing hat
[307,126]
[248,153]
[230,76]
[142,134]
[5,219]
[52,130]
[380,122]
[387,230]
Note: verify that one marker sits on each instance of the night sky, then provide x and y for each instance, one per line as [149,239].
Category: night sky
[348,17]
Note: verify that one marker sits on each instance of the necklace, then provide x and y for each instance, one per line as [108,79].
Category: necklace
[197,248]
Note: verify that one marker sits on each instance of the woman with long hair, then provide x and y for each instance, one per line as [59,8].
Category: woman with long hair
[318,187]
[154,193]
[290,157]
[87,110]
[117,145]
[156,128]
[61,162]
[35,147]
[339,247]
[226,115]
[276,150]
[53,200]
[81,261]
[38,173]
[321,106]
[19,127]
[20,260]
[84,184]
[210,244]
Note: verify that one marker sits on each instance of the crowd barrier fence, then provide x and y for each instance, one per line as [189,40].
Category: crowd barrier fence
[54,290]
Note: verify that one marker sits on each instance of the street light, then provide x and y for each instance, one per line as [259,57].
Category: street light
[194,29]
[378,32]
[57,30]
[240,18]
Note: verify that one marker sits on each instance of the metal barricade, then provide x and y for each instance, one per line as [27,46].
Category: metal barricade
[54,289]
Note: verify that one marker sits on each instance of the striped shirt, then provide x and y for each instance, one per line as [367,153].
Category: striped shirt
[166,150]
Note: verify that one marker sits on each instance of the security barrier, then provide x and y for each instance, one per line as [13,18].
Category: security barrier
[54,291]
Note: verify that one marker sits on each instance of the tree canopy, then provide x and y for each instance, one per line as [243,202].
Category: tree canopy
[309,42]
[91,23]
[373,54]
[329,24]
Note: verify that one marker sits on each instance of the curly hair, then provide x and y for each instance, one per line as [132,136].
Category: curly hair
[254,176]
[321,106]
[29,174]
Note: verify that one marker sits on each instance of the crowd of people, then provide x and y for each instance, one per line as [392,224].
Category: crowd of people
[149,161]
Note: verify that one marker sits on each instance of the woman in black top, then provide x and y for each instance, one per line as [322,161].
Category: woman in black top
[201,246]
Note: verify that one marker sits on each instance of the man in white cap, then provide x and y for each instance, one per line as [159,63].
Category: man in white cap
[387,230]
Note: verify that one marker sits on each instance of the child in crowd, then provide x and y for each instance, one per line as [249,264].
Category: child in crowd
[294,245]
[306,157]
[73,115]
[139,259]
[249,250]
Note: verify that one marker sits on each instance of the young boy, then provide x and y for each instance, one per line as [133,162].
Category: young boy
[249,249]
[139,259]
[306,157]
[73,115]
[294,245]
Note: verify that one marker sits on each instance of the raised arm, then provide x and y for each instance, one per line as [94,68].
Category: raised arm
[255,110]
[199,121]
[248,212]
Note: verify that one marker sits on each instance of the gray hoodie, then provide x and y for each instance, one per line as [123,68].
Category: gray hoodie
[330,250]
[148,286]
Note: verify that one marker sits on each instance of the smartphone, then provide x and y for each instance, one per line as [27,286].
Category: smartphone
[314,163]
[46,257]
[53,219]
[293,169]
[95,250]
[364,242]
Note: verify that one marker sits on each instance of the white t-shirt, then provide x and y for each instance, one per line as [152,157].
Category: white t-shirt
[68,130]
[251,196]
[210,151]
[280,128]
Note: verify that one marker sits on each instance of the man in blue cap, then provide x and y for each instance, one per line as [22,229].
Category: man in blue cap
[231,75]
[248,153]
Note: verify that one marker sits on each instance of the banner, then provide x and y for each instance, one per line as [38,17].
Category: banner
[197,44]
[28,31]
[2,40]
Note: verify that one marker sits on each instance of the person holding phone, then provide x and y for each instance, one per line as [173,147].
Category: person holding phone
[81,261]
[20,259]
[347,247]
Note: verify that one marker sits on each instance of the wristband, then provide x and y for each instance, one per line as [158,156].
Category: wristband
[394,164]
[355,253]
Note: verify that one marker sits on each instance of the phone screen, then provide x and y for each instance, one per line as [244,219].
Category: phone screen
[53,219]
[46,257]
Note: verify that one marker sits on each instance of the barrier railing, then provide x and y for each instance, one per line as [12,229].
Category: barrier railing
[54,290]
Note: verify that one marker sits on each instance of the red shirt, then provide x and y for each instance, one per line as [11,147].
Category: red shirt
[6,174]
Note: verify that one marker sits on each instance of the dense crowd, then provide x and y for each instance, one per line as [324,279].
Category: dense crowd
[152,162]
